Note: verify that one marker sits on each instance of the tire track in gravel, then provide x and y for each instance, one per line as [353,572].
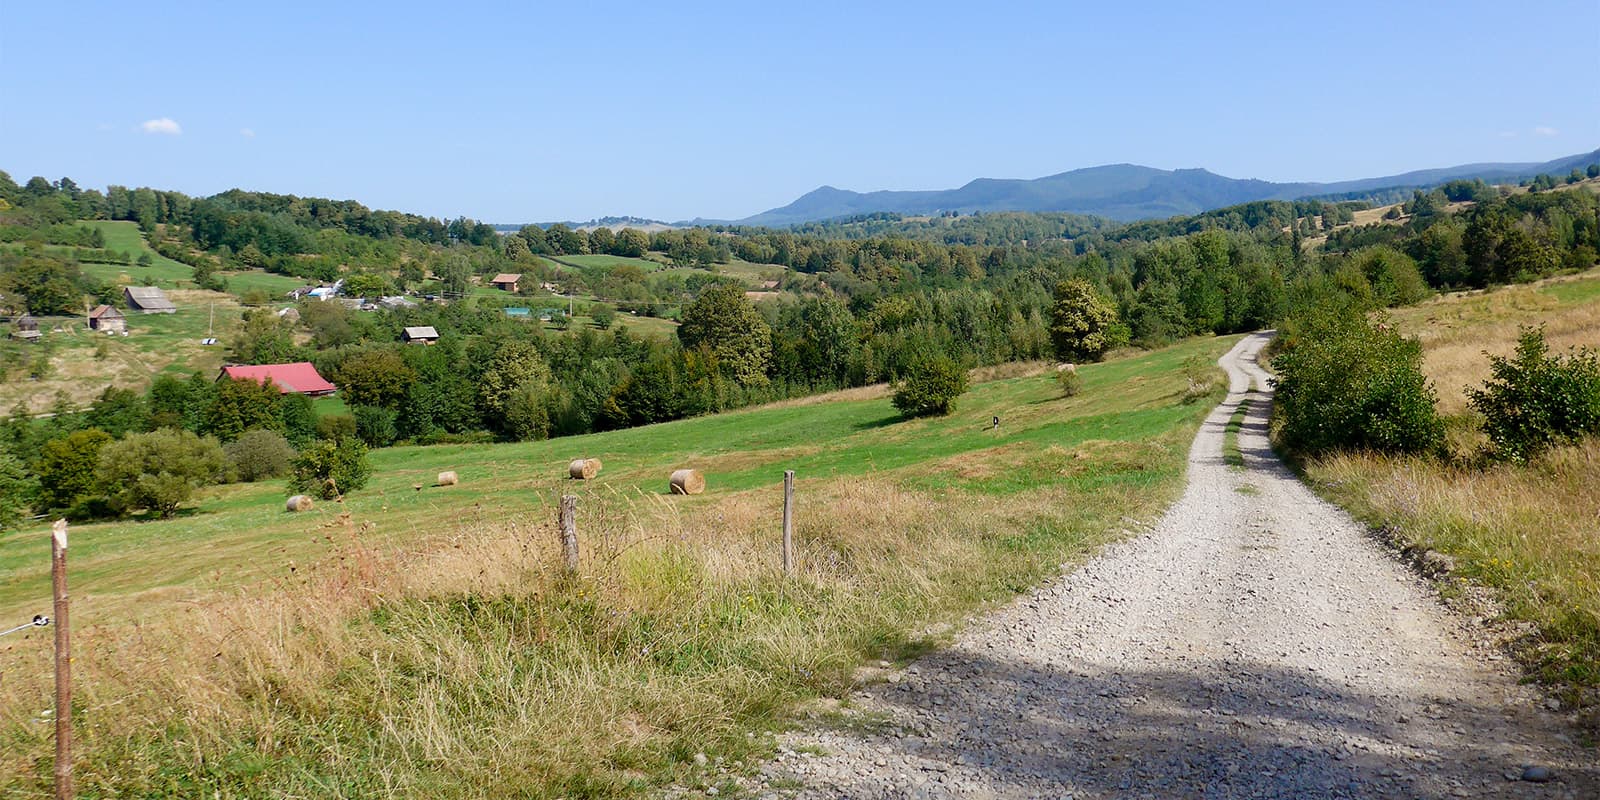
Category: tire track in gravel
[1255,643]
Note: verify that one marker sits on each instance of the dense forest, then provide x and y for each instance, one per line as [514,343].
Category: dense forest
[862,300]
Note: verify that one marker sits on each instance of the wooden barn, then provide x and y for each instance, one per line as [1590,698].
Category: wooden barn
[148,300]
[108,319]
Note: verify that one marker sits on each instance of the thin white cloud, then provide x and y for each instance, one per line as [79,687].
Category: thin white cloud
[247,133]
[1545,131]
[1507,134]
[164,125]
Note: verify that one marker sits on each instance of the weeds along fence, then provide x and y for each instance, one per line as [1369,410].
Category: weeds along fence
[387,662]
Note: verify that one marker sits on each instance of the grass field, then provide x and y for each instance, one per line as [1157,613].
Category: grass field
[1455,330]
[126,237]
[1528,532]
[84,362]
[421,642]
[591,261]
[276,286]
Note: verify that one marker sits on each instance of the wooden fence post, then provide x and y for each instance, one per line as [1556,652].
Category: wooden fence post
[58,581]
[788,522]
[569,532]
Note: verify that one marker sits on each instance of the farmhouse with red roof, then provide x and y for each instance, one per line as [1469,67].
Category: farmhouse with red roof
[297,378]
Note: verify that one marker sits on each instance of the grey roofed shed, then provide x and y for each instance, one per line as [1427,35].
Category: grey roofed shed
[148,299]
[420,333]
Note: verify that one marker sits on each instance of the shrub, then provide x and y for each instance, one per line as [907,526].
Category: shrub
[336,426]
[259,454]
[1349,384]
[1069,382]
[1535,400]
[159,470]
[331,468]
[930,386]
[375,425]
[1204,379]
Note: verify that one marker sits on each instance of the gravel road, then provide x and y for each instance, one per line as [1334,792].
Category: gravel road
[1254,643]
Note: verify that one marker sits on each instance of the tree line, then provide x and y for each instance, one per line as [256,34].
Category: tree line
[855,311]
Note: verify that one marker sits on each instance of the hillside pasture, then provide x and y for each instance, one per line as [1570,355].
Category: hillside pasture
[82,362]
[609,262]
[420,640]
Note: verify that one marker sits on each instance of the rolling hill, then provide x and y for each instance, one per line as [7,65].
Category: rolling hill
[1125,192]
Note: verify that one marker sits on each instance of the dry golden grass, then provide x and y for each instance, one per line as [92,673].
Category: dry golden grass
[1456,330]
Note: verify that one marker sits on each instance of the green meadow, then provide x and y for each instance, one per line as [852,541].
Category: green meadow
[422,641]
[237,534]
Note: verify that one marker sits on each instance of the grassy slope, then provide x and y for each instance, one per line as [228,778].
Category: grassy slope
[1527,532]
[609,261]
[413,665]
[84,362]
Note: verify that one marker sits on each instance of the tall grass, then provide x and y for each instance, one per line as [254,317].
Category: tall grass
[467,664]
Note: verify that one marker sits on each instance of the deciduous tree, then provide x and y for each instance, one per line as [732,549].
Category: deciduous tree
[1082,322]
[724,320]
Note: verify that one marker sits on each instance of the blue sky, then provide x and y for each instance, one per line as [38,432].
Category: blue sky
[524,111]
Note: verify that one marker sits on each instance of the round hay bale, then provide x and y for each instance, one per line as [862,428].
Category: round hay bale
[299,502]
[687,481]
[584,468]
[448,479]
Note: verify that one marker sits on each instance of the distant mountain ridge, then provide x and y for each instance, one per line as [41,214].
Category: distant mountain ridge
[614,223]
[1124,192]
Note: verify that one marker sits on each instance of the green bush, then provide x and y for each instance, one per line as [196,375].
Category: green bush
[259,454]
[158,470]
[331,468]
[1069,382]
[930,386]
[1534,400]
[1348,384]
[375,425]
[336,426]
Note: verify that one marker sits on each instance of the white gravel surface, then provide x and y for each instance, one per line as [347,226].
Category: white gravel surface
[1255,643]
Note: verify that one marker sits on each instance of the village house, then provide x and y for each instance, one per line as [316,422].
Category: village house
[297,378]
[506,281]
[148,300]
[108,319]
[419,334]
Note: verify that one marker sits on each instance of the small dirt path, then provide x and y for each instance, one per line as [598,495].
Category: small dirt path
[1255,643]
